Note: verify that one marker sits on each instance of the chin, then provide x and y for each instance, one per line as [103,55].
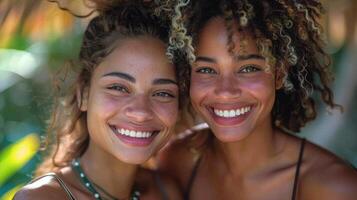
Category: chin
[134,157]
[134,160]
[229,135]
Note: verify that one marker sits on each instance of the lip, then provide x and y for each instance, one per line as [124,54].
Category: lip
[231,121]
[230,106]
[135,141]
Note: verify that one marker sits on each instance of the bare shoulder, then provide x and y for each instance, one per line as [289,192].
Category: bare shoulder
[178,158]
[45,187]
[325,176]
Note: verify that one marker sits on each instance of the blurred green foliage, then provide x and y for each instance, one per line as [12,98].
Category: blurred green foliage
[15,156]
[25,98]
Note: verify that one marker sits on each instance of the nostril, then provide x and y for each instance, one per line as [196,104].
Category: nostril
[228,91]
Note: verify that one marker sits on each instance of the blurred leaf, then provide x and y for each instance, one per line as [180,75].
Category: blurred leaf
[15,156]
[19,42]
[11,193]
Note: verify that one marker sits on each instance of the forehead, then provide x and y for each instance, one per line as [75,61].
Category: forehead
[143,55]
[214,35]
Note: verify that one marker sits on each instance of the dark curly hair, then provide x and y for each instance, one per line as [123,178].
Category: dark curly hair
[67,131]
[288,35]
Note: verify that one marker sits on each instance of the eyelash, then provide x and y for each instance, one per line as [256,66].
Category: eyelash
[118,88]
[125,90]
[164,94]
[250,69]
[245,69]
[206,70]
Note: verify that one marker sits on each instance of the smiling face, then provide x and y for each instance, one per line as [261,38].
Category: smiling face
[233,94]
[132,102]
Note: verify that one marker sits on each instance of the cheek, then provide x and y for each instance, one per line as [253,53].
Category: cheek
[166,112]
[199,87]
[111,103]
[103,105]
[261,88]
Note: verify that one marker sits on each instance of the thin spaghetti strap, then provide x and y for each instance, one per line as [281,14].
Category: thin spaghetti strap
[161,186]
[192,178]
[60,181]
[297,172]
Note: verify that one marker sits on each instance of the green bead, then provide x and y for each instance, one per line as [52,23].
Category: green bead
[76,166]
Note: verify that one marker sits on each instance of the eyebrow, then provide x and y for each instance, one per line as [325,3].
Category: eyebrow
[161,81]
[128,77]
[206,59]
[121,75]
[249,56]
[238,58]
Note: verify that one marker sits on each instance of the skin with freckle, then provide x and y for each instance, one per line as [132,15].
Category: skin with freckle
[122,109]
[137,104]
[247,85]
[223,84]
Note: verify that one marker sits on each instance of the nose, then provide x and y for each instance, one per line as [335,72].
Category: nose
[227,87]
[139,109]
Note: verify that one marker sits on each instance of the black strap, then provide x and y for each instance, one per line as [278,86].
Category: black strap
[161,186]
[297,172]
[60,181]
[192,179]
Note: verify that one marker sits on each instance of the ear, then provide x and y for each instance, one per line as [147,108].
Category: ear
[279,78]
[82,98]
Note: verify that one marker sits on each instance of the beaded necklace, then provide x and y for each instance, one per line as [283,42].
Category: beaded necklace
[90,185]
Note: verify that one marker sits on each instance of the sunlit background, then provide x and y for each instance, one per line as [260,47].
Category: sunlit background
[37,38]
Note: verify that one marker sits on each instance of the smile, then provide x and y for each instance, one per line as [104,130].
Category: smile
[232,112]
[135,137]
[135,134]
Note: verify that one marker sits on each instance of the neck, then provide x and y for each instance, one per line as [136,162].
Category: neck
[114,176]
[250,155]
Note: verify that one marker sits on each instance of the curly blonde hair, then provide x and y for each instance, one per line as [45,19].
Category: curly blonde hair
[288,35]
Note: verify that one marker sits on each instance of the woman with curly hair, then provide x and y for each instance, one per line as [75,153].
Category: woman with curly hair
[122,108]
[255,72]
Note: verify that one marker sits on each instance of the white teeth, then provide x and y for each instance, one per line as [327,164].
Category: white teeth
[232,113]
[132,134]
[242,110]
[238,112]
[247,109]
[226,113]
[135,134]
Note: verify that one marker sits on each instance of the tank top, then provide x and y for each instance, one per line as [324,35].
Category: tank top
[70,195]
[296,177]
